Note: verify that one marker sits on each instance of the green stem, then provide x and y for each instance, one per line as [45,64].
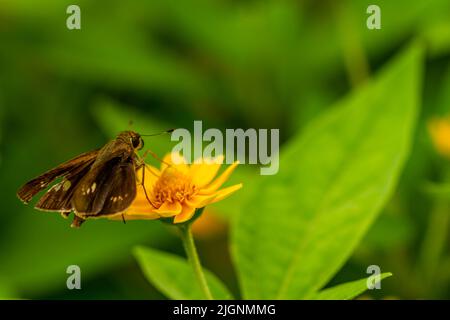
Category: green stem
[191,252]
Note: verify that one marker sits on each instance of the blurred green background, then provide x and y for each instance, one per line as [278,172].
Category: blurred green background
[230,63]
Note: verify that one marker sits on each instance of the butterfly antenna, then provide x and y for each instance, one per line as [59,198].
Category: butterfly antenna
[158,134]
[154,155]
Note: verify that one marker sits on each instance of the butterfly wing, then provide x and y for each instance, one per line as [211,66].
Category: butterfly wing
[31,188]
[122,191]
[107,189]
[59,197]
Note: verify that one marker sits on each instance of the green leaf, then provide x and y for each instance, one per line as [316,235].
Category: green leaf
[300,226]
[346,291]
[174,277]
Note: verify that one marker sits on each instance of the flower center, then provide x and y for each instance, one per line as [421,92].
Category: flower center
[172,186]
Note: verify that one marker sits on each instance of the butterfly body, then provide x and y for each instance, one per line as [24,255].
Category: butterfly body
[95,184]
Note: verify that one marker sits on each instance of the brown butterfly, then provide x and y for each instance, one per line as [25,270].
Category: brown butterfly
[96,184]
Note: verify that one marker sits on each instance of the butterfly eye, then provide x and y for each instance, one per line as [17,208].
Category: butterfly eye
[138,143]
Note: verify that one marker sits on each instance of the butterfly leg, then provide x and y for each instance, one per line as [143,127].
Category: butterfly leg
[77,222]
[143,183]
[154,155]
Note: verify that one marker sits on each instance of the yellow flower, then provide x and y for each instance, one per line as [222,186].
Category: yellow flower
[439,129]
[178,189]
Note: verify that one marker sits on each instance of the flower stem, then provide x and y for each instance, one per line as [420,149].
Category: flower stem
[191,252]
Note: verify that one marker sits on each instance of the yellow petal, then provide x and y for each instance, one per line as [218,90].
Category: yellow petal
[141,200]
[174,160]
[218,160]
[185,214]
[169,209]
[222,194]
[199,201]
[203,171]
[127,216]
[140,208]
[216,184]
[140,205]
[151,176]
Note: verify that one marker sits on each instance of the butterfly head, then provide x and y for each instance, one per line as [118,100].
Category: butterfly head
[133,138]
